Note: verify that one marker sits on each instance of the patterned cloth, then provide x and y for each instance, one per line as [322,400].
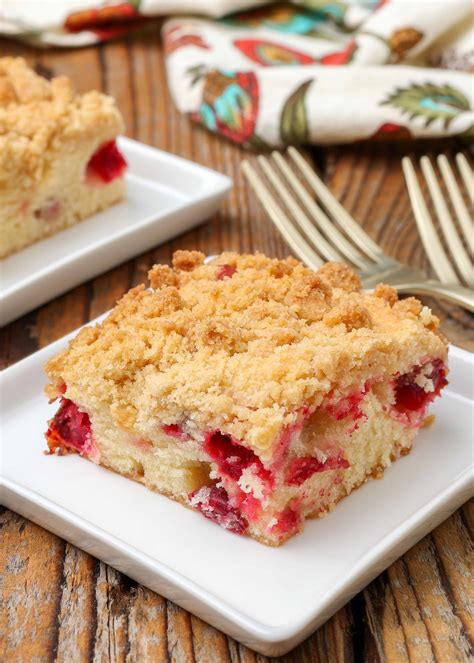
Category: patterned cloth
[313,71]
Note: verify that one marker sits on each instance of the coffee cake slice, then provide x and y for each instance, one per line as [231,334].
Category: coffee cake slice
[252,390]
[59,162]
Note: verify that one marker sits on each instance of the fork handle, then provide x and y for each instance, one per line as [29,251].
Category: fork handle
[456,294]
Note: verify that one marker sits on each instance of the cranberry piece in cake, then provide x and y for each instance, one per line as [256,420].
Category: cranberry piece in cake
[106,164]
[174,430]
[70,430]
[214,504]
[258,396]
[232,458]
[416,389]
[302,468]
[225,272]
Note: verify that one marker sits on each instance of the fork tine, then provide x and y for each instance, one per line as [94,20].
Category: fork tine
[467,174]
[299,245]
[456,248]
[343,218]
[350,252]
[456,198]
[429,237]
[318,241]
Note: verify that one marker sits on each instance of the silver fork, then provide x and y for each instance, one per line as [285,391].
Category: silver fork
[302,228]
[440,261]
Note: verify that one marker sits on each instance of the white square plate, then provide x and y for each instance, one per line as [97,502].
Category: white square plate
[166,195]
[268,598]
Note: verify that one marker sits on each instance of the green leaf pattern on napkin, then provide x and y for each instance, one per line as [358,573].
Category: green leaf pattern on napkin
[429,101]
[294,120]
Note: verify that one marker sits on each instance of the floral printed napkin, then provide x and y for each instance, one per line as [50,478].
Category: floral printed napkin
[313,71]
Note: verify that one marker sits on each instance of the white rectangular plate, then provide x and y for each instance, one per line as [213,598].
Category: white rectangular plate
[166,195]
[268,598]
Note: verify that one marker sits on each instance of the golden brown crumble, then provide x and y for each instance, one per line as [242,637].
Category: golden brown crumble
[161,275]
[351,314]
[220,334]
[309,297]
[410,306]
[341,276]
[37,117]
[243,353]
[430,320]
[386,292]
[186,261]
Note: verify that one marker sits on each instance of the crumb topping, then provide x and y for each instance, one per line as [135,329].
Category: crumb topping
[241,354]
[351,314]
[340,276]
[37,117]
[386,292]
[410,306]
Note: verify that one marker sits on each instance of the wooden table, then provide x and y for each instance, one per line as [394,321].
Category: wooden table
[64,605]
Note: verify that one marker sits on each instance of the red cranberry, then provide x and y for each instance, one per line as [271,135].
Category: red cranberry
[174,430]
[232,458]
[302,468]
[213,503]
[106,164]
[410,396]
[287,521]
[250,505]
[225,272]
[347,406]
[71,427]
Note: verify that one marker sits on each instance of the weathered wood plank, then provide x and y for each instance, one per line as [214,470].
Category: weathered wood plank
[62,315]
[456,563]
[384,621]
[208,643]
[415,633]
[111,635]
[31,566]
[147,628]
[77,608]
[444,627]
[179,633]
[467,515]
[411,610]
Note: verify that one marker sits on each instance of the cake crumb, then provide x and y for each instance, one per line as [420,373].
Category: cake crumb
[186,261]
[310,296]
[340,276]
[428,319]
[352,315]
[384,291]
[410,306]
[428,421]
[161,275]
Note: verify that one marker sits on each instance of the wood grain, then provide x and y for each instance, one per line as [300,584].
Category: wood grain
[62,604]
